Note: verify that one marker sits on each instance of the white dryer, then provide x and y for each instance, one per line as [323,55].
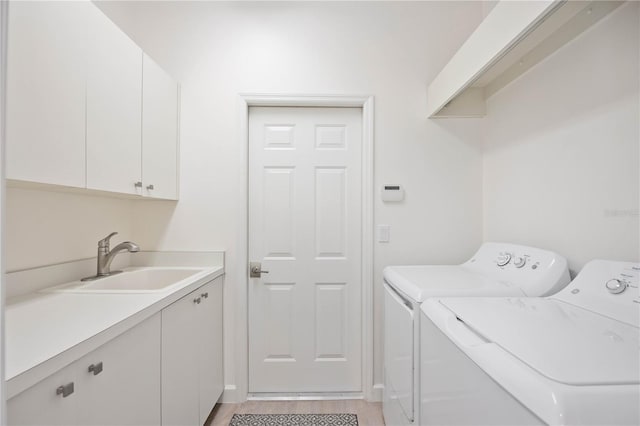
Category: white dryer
[569,359]
[497,269]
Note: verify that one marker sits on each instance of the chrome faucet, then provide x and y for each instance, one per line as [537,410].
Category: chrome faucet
[105,256]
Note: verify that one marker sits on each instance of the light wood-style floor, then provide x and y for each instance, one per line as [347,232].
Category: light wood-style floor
[369,413]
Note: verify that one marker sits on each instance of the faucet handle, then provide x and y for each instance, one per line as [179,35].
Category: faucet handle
[105,241]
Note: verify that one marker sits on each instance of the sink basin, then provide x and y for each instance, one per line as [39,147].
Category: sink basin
[142,280]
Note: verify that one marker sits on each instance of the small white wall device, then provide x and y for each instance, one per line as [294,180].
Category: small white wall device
[392,193]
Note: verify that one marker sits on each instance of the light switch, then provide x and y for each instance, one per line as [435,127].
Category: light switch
[384,233]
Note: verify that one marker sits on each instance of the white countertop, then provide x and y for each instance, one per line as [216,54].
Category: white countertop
[47,331]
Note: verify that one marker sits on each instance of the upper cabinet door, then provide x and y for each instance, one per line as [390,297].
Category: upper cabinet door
[46,92]
[114,108]
[159,132]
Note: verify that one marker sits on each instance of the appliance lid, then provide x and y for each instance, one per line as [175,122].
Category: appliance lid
[563,342]
[423,281]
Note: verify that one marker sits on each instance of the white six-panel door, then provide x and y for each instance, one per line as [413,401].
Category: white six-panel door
[305,209]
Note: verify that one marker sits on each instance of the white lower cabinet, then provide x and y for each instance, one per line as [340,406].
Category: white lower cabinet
[116,384]
[127,390]
[192,379]
[211,381]
[166,370]
[41,405]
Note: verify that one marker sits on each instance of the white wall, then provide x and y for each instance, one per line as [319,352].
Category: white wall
[561,155]
[44,228]
[387,49]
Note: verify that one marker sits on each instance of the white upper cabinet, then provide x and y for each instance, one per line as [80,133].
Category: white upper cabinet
[46,92]
[515,36]
[114,108]
[80,112]
[159,132]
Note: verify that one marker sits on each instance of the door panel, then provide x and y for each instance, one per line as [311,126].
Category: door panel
[180,359]
[305,229]
[159,132]
[210,340]
[41,405]
[127,391]
[278,211]
[114,107]
[331,322]
[46,76]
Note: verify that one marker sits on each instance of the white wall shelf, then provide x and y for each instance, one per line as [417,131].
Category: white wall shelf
[512,38]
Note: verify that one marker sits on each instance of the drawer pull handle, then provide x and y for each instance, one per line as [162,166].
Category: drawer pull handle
[96,368]
[150,187]
[197,300]
[138,184]
[205,295]
[65,390]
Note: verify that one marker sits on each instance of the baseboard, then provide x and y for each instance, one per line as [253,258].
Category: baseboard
[376,392]
[231,395]
[303,396]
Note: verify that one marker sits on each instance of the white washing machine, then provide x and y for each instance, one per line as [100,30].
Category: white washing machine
[496,269]
[569,359]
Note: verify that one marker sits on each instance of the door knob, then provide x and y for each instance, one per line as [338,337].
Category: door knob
[255,270]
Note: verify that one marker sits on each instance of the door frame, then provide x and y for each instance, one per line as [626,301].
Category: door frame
[239,391]
[4,20]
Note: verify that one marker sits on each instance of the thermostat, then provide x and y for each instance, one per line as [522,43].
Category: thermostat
[392,193]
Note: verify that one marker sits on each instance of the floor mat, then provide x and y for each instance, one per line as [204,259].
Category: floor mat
[294,420]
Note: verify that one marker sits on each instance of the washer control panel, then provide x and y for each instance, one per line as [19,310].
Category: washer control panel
[607,287]
[517,260]
[536,272]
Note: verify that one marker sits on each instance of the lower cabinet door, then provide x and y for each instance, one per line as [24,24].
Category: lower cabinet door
[210,362]
[120,381]
[116,384]
[43,404]
[180,399]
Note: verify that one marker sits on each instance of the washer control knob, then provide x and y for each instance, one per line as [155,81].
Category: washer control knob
[520,262]
[616,286]
[504,259]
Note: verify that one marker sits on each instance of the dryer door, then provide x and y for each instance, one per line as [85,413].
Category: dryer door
[398,353]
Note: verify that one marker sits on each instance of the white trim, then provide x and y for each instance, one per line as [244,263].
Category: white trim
[230,395]
[319,396]
[4,17]
[378,390]
[366,102]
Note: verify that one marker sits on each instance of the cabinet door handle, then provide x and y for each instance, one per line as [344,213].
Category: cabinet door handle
[96,368]
[197,300]
[205,295]
[150,187]
[138,184]
[65,390]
